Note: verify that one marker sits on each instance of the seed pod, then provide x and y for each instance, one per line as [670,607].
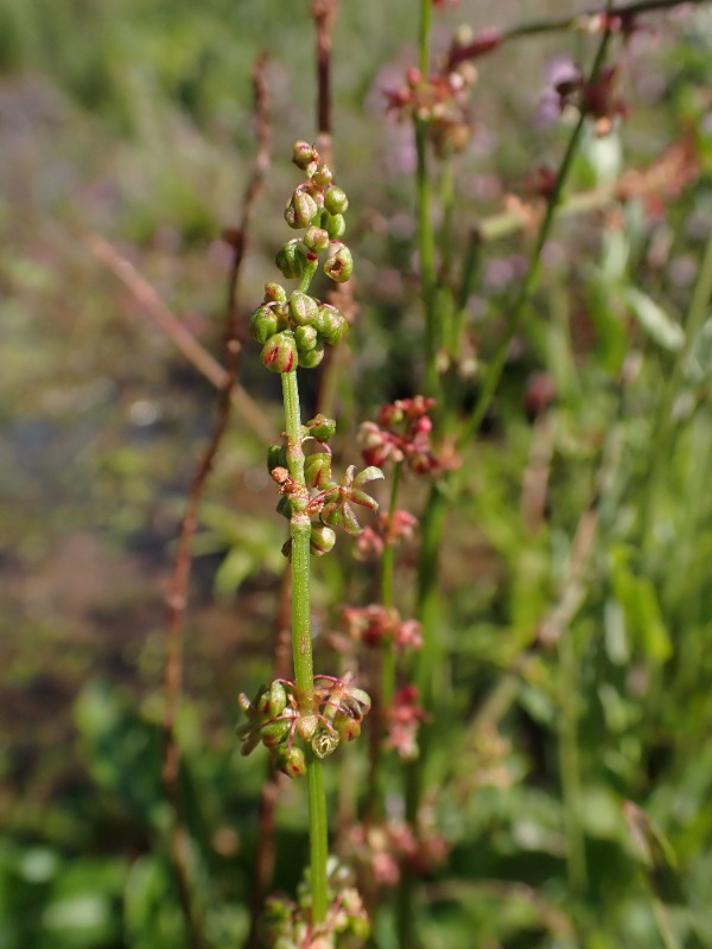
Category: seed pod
[317,239]
[300,209]
[274,293]
[317,470]
[263,324]
[276,457]
[330,324]
[311,359]
[322,540]
[303,308]
[335,200]
[279,353]
[322,175]
[307,726]
[305,338]
[339,265]
[335,225]
[321,427]
[291,259]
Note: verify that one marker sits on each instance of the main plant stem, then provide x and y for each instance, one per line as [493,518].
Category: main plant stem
[300,532]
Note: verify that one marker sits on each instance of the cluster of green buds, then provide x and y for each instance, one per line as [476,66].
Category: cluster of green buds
[286,922]
[276,719]
[328,501]
[294,328]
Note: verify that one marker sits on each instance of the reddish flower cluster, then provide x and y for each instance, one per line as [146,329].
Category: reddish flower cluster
[404,719]
[375,625]
[401,434]
[598,97]
[383,851]
[441,100]
[387,531]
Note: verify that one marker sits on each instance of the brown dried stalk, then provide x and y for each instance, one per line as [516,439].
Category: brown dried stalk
[324,15]
[177,598]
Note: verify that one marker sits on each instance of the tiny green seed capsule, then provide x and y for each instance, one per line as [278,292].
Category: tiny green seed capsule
[330,324]
[305,338]
[311,359]
[276,457]
[317,470]
[291,762]
[307,726]
[263,324]
[335,200]
[279,353]
[274,293]
[274,734]
[300,209]
[317,239]
[339,265]
[322,540]
[303,308]
[335,225]
[347,727]
[291,259]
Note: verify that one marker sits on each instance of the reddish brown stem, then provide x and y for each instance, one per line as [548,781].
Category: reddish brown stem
[177,598]
[324,14]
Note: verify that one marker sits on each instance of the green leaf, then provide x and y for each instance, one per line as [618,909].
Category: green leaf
[638,601]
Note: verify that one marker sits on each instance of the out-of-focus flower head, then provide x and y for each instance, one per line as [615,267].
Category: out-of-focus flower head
[404,719]
[376,625]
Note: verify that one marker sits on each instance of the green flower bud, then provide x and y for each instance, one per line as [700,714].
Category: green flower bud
[321,427]
[274,293]
[303,154]
[339,265]
[316,239]
[300,209]
[284,507]
[335,200]
[263,324]
[303,308]
[317,470]
[322,540]
[322,176]
[330,324]
[347,727]
[276,457]
[279,353]
[291,762]
[277,699]
[291,259]
[312,358]
[274,734]
[306,339]
[335,225]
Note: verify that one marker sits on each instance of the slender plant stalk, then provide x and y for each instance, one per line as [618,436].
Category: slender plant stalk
[300,532]
[388,672]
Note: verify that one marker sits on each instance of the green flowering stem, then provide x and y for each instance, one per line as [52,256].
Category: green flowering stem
[300,531]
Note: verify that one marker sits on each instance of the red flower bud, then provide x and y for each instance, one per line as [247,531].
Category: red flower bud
[279,353]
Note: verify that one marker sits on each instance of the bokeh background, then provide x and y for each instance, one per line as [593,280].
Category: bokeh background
[131,119]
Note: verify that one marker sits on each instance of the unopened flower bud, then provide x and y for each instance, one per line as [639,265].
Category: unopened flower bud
[274,733]
[300,210]
[335,200]
[335,225]
[303,154]
[263,324]
[277,699]
[317,469]
[276,457]
[317,239]
[347,727]
[307,726]
[279,353]
[274,293]
[291,762]
[322,540]
[322,175]
[321,427]
[291,259]
[305,338]
[339,265]
[330,324]
[312,358]
[303,308]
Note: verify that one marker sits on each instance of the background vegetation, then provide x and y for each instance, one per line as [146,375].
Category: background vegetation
[572,757]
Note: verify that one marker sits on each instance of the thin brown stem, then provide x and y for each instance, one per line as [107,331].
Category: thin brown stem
[177,598]
[324,14]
